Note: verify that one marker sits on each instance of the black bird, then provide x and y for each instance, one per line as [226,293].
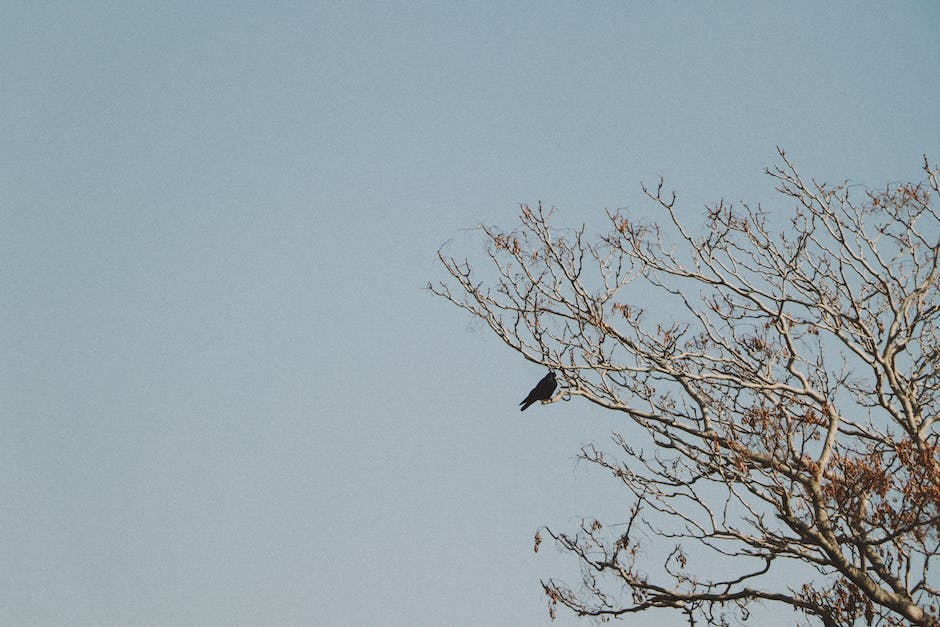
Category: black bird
[541,392]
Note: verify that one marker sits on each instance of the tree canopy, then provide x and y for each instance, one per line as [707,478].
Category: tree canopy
[790,398]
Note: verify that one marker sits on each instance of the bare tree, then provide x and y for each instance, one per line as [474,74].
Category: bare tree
[789,402]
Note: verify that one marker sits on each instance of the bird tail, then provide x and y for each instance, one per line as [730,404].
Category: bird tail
[525,405]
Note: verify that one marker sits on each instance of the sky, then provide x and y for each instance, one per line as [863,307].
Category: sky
[227,397]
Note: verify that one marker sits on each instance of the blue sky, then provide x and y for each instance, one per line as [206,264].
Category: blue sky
[227,399]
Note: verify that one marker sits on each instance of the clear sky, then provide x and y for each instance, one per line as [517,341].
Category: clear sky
[225,398]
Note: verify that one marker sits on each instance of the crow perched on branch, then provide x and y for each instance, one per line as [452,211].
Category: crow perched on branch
[541,392]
